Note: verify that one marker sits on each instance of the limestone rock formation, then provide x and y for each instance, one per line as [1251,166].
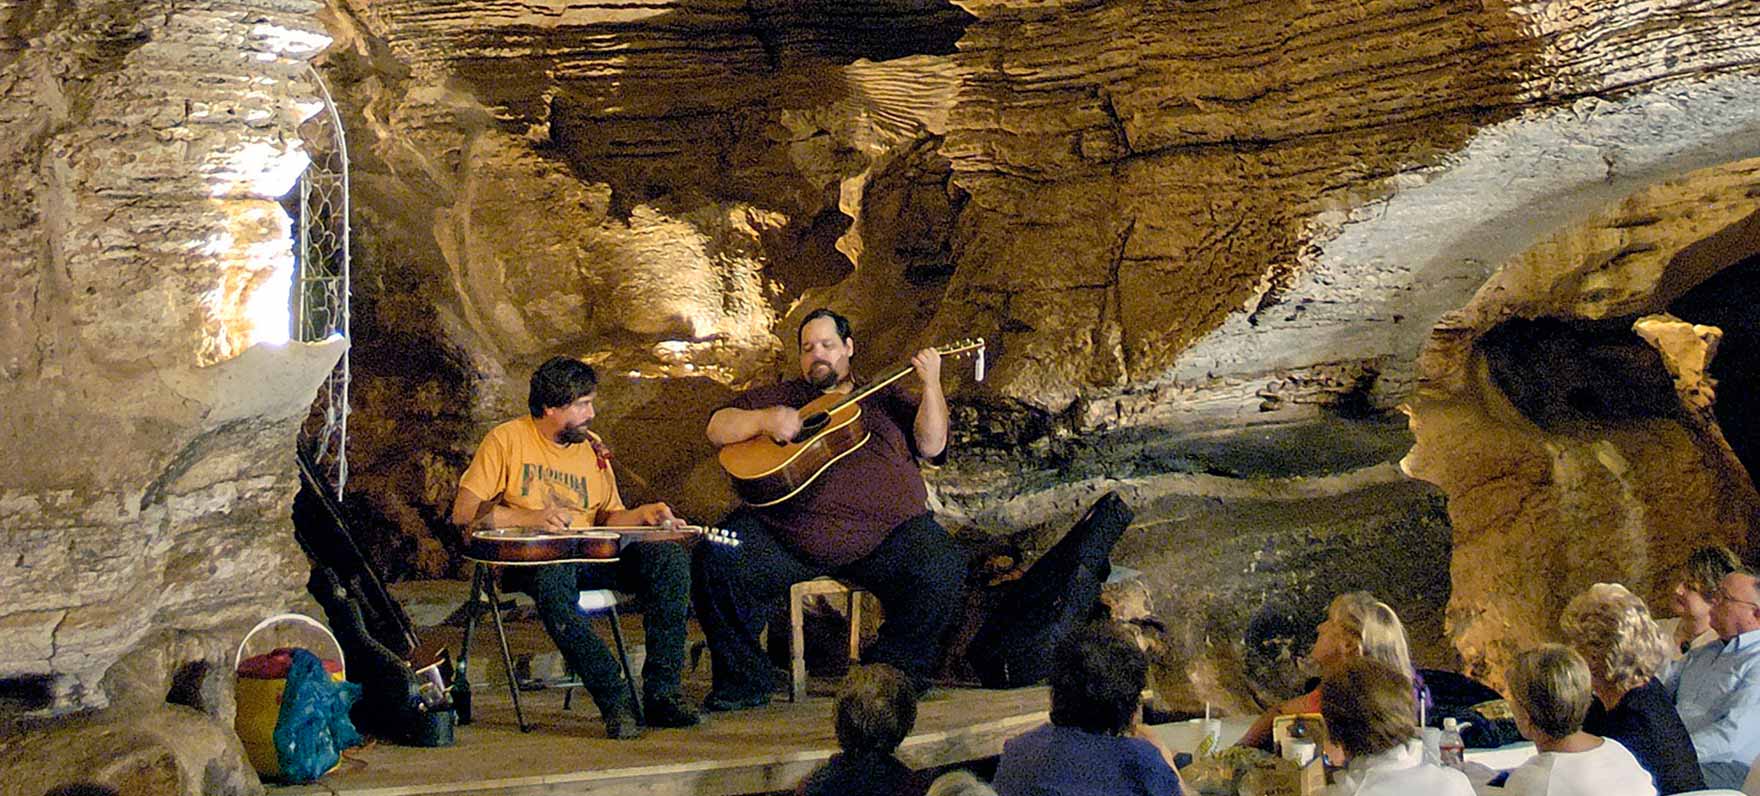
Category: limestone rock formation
[1572,452]
[1206,241]
[150,399]
[170,750]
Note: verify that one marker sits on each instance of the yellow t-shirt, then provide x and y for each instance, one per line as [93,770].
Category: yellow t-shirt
[520,467]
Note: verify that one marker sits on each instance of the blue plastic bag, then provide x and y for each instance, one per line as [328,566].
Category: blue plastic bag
[313,727]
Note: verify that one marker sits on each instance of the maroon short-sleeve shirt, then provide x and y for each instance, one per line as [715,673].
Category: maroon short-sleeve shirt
[848,510]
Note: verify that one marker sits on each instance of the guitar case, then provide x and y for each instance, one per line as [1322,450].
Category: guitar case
[1014,645]
[375,633]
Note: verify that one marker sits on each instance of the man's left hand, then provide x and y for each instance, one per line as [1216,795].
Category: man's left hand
[927,364]
[657,515]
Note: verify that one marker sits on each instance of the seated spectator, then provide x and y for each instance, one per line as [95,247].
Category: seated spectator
[1717,687]
[960,783]
[1691,600]
[1612,629]
[876,709]
[1370,715]
[1356,625]
[1549,693]
[1094,744]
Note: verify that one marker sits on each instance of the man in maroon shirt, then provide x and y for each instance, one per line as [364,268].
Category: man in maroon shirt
[863,520]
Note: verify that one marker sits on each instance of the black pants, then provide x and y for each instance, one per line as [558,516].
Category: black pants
[656,572]
[918,573]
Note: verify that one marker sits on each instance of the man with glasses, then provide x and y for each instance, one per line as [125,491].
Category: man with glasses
[1717,687]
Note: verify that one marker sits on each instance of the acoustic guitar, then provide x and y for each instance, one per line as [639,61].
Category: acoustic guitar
[535,546]
[766,472]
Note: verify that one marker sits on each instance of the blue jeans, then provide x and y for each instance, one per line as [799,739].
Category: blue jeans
[659,574]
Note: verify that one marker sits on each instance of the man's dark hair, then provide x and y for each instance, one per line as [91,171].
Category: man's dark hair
[1705,568]
[841,322]
[1097,679]
[1368,705]
[876,709]
[558,382]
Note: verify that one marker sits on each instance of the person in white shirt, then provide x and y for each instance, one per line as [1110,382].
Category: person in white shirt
[1370,714]
[1549,693]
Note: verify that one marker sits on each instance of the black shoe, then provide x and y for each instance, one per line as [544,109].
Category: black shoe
[668,710]
[620,724]
[717,703]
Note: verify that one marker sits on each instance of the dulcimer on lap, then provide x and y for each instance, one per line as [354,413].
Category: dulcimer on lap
[530,546]
[766,472]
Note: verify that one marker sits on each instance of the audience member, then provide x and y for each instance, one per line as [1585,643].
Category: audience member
[1356,625]
[1094,744]
[1613,631]
[960,783]
[1549,693]
[876,709]
[1371,716]
[1699,578]
[1717,688]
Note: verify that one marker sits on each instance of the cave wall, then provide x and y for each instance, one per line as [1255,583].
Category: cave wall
[1206,241]
[147,423]
[1571,420]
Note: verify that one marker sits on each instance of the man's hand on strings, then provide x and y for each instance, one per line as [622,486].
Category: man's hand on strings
[782,423]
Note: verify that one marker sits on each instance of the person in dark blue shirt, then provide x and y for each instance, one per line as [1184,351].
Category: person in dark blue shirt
[1094,744]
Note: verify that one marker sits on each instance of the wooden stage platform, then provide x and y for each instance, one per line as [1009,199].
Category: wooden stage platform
[763,750]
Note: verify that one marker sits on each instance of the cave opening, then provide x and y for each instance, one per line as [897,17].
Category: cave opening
[1730,300]
[1573,374]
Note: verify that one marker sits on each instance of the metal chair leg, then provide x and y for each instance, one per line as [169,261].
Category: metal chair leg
[461,690]
[629,677]
[506,655]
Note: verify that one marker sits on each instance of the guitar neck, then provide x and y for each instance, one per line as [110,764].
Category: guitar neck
[898,373]
[878,385]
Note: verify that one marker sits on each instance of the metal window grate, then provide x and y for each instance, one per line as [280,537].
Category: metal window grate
[321,262]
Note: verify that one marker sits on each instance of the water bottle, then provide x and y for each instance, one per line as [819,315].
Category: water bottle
[1451,748]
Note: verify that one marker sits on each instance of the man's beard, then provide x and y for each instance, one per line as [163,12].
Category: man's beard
[572,435]
[826,381]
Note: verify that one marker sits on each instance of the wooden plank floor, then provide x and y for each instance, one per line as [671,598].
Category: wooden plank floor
[763,750]
[754,751]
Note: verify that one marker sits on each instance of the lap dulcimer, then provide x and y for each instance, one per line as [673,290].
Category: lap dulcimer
[530,546]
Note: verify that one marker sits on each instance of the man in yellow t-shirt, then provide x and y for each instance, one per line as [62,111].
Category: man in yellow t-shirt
[548,471]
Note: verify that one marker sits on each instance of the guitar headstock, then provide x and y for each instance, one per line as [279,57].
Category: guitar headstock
[961,347]
[971,345]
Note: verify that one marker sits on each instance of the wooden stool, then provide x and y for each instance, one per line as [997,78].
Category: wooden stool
[797,598]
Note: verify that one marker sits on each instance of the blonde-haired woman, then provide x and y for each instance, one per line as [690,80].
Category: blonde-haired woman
[1549,693]
[1613,630]
[1356,625]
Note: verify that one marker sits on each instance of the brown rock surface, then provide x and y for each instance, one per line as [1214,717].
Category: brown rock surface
[1207,242]
[148,411]
[1592,458]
